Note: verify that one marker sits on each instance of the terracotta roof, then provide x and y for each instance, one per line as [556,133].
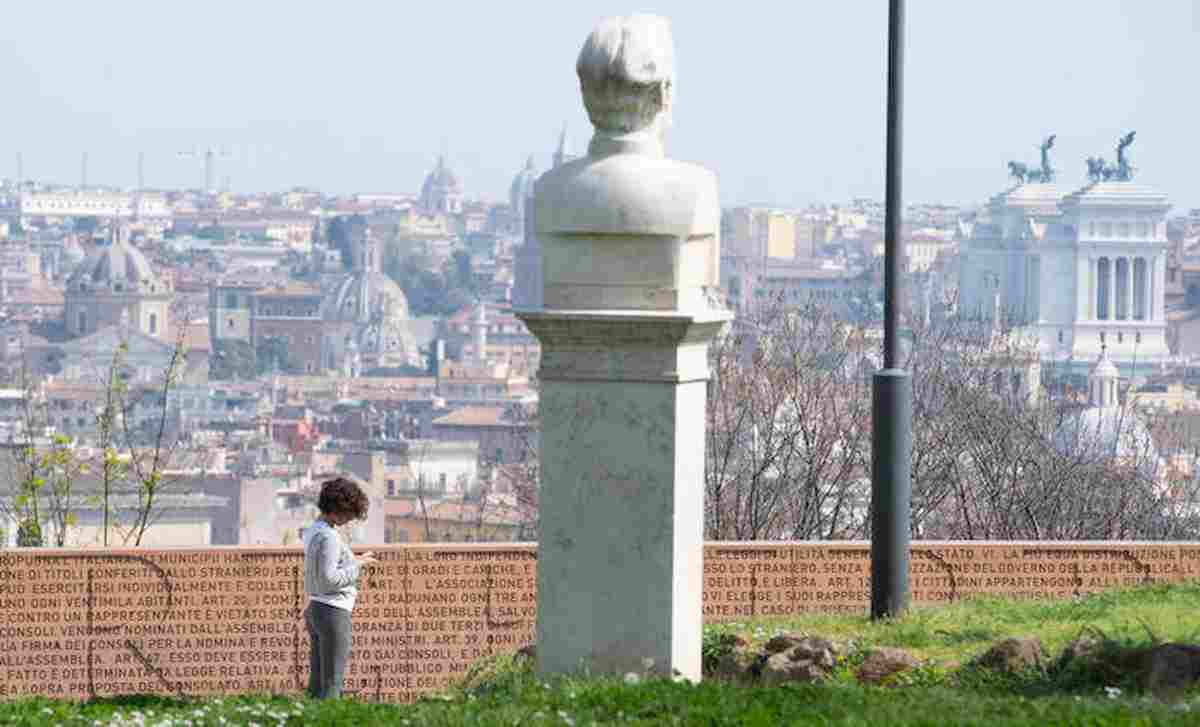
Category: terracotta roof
[495,314]
[33,295]
[73,392]
[469,512]
[289,290]
[473,416]
[195,336]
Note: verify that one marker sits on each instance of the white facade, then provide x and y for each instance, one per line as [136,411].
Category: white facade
[93,204]
[1079,271]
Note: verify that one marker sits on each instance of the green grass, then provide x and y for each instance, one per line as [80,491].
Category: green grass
[503,691]
[959,631]
[613,702]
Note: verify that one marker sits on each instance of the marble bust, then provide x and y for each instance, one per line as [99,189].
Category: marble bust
[624,227]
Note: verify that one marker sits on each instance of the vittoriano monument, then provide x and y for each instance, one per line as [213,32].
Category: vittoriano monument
[630,255]
[1101,171]
[1028,173]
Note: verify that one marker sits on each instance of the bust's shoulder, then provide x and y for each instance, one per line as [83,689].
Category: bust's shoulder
[625,173]
[627,191]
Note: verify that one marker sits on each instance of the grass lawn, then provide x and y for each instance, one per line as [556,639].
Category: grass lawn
[958,632]
[946,690]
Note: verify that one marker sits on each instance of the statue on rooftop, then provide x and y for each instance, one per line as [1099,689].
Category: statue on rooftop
[1030,173]
[1100,170]
[1124,168]
[1047,170]
[1017,171]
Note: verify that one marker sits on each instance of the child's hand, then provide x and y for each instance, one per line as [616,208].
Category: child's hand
[367,558]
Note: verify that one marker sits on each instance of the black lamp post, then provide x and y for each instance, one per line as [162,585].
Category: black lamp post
[891,401]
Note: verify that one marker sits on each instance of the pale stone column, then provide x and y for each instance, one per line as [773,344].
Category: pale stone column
[1083,285]
[1147,274]
[1127,303]
[1093,289]
[1159,287]
[630,250]
[1111,303]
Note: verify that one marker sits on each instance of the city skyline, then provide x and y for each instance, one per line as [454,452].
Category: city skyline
[365,100]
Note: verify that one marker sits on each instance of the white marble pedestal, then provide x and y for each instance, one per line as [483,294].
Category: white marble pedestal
[621,504]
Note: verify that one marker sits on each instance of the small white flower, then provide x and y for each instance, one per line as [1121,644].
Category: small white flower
[566,718]
[632,678]
[1112,692]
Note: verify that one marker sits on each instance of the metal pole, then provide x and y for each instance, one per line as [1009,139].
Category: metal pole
[891,401]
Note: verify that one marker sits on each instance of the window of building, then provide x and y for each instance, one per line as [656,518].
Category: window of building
[391,488]
[1060,336]
[1120,337]
[153,323]
[231,300]
[1137,337]
[82,320]
[442,481]
[230,323]
[1101,336]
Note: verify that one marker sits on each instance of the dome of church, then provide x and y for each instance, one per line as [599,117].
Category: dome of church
[383,336]
[117,267]
[1107,431]
[521,188]
[362,296]
[439,184]
[1104,368]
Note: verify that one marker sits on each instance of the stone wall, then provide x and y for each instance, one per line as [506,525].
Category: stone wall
[76,623]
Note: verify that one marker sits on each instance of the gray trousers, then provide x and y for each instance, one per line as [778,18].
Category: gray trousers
[329,632]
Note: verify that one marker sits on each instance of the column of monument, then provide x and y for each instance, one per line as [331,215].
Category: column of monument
[1083,277]
[1144,313]
[630,251]
[1111,303]
[1159,283]
[1127,301]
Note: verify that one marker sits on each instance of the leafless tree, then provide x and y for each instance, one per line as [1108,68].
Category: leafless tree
[994,456]
[788,427]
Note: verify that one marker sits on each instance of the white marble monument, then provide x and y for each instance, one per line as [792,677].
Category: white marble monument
[1076,271]
[630,251]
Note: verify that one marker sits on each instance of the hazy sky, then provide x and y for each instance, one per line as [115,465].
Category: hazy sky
[785,100]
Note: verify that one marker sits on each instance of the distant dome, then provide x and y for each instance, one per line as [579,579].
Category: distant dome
[117,267]
[1105,368]
[521,188]
[442,190]
[1107,431]
[361,296]
[376,310]
[384,336]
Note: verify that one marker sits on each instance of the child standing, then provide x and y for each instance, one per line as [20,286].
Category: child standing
[331,572]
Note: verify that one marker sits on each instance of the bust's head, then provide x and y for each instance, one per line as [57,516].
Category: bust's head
[626,72]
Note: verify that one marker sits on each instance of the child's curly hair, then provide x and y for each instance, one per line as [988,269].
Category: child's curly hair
[343,496]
